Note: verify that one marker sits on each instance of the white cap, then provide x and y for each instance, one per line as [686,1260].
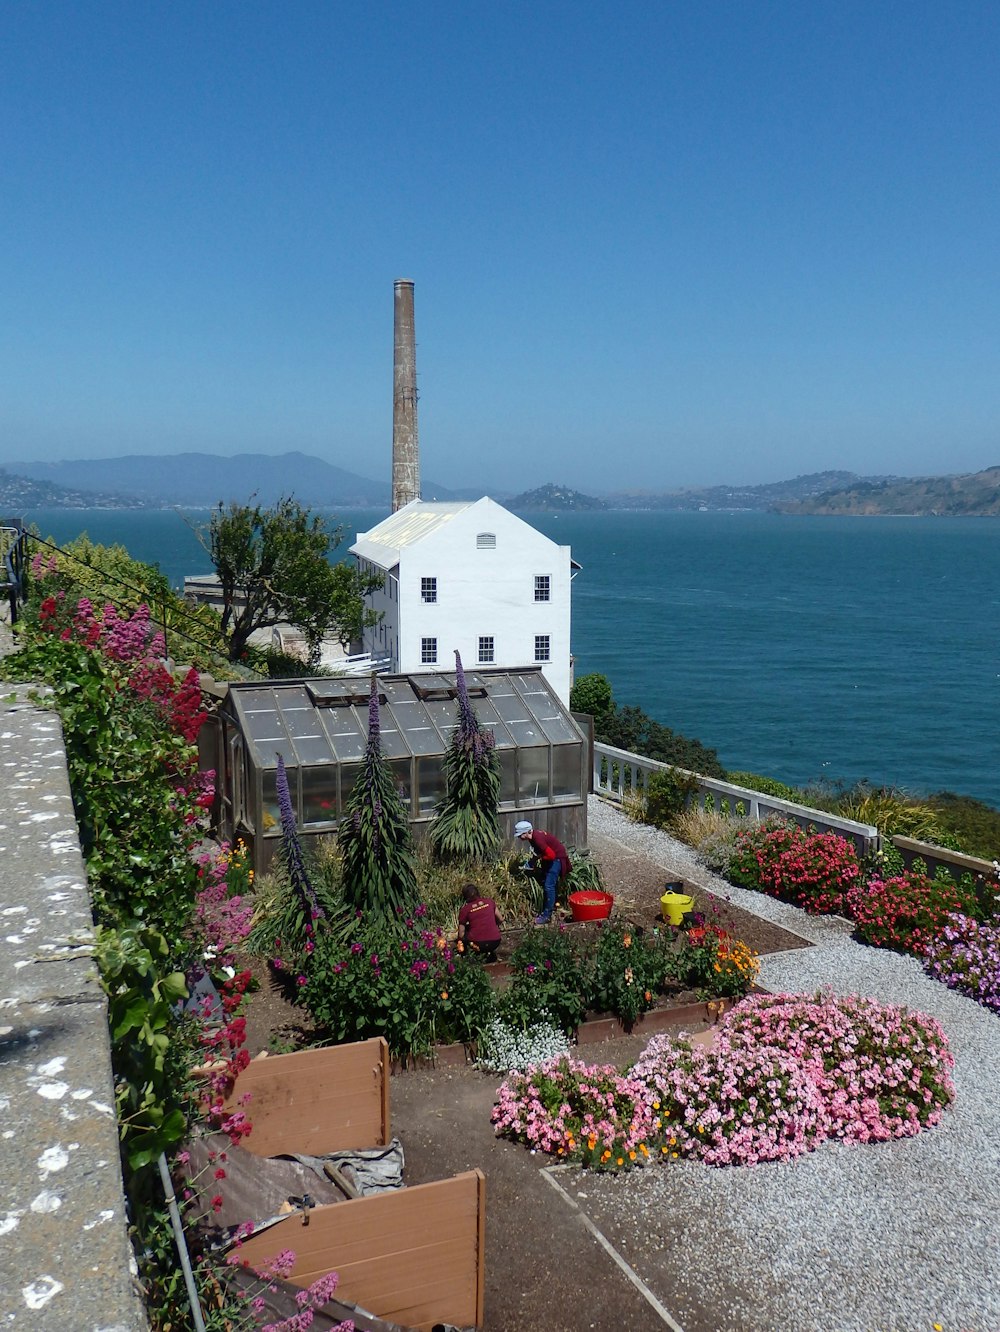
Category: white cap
[522,827]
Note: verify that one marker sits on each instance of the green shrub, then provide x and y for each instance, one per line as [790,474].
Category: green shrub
[551,975]
[766,786]
[627,972]
[667,795]
[974,825]
[893,812]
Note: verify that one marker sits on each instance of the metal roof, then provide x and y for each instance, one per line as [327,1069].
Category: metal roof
[411,523]
[325,721]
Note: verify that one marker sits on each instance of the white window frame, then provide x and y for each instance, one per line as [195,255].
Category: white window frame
[547,650]
[428,651]
[543,587]
[429,585]
[492,650]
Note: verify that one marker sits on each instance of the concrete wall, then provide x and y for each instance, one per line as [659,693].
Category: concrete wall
[64,1253]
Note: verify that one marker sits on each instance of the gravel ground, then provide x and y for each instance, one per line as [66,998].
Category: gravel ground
[893,1237]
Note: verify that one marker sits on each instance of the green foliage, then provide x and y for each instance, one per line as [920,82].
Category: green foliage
[975,826]
[378,872]
[551,976]
[893,812]
[628,972]
[124,768]
[765,785]
[630,728]
[142,991]
[584,874]
[592,694]
[406,984]
[272,566]
[667,795]
[466,826]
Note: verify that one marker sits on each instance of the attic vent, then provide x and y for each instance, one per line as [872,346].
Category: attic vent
[486,541]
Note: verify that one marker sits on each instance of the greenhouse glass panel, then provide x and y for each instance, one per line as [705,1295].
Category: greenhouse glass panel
[349,774]
[344,729]
[508,776]
[430,783]
[533,775]
[511,708]
[403,777]
[264,728]
[319,794]
[444,715]
[314,750]
[558,728]
[526,732]
[393,744]
[566,772]
[270,810]
[416,727]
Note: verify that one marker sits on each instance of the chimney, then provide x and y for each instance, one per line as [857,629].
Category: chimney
[405,447]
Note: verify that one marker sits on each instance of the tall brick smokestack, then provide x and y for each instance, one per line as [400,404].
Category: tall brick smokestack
[405,446]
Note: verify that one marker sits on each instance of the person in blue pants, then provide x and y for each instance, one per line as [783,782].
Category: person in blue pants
[553,863]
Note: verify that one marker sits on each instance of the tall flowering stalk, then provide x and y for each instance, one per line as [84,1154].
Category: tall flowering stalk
[379,878]
[467,826]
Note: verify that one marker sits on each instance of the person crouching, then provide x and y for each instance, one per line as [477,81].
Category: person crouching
[479,924]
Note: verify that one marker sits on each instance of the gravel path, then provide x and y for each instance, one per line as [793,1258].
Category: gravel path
[887,1238]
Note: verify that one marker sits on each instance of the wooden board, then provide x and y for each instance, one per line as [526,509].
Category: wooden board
[413,1256]
[316,1101]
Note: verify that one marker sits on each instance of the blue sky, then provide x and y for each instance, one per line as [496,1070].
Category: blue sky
[653,245]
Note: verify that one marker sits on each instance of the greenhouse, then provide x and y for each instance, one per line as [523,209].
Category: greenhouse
[320,729]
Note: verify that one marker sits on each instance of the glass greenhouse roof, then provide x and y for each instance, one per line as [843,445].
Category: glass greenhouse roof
[325,721]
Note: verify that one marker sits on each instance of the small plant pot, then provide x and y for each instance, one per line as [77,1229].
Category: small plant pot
[590,904]
[675,906]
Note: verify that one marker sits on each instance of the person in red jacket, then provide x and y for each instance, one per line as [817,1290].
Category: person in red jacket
[553,862]
[479,923]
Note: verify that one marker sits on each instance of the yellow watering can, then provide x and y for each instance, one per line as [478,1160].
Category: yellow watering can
[676,905]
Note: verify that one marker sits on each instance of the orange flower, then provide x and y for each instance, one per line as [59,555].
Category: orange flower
[648,997]
[627,941]
[441,941]
[444,994]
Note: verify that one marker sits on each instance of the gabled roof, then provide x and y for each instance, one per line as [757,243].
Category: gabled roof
[414,521]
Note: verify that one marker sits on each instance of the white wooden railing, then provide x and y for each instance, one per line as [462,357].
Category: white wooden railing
[619,774]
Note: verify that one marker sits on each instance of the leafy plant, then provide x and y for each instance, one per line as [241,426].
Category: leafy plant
[585,873]
[374,836]
[765,785]
[667,795]
[893,812]
[628,972]
[272,566]
[466,826]
[408,985]
[551,975]
[910,910]
[143,991]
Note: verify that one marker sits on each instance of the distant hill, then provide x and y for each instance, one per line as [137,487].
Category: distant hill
[973,494]
[555,499]
[200,480]
[736,497]
[20,493]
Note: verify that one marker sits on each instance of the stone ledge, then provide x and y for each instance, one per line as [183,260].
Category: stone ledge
[65,1260]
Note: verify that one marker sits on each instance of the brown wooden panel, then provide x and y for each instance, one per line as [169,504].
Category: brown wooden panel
[317,1101]
[414,1256]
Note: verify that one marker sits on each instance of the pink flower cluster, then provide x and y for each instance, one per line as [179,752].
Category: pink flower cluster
[223,916]
[785,1073]
[566,1107]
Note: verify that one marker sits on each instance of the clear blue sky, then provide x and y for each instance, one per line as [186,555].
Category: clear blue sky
[653,245]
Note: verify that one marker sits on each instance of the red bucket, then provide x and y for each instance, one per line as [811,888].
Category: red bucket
[589,904]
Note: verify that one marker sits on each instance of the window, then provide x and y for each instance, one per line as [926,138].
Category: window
[429,651]
[486,541]
[542,587]
[541,647]
[486,649]
[429,589]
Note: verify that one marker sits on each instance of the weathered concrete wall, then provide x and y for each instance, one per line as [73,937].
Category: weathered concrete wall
[65,1260]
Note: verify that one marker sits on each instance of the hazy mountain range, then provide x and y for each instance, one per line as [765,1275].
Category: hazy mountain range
[199,480]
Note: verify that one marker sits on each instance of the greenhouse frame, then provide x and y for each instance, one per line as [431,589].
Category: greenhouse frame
[320,729]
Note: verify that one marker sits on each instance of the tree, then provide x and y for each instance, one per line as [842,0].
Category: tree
[272,566]
[466,826]
[592,694]
[374,835]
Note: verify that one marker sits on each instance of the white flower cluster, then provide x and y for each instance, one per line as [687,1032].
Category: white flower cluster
[503,1049]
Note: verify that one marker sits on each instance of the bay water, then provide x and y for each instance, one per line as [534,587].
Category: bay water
[805,648]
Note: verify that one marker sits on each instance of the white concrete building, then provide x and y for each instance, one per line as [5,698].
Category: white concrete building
[469,576]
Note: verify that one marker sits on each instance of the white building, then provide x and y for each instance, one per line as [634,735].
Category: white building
[469,576]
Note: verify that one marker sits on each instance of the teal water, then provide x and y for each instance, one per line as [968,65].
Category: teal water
[805,648]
